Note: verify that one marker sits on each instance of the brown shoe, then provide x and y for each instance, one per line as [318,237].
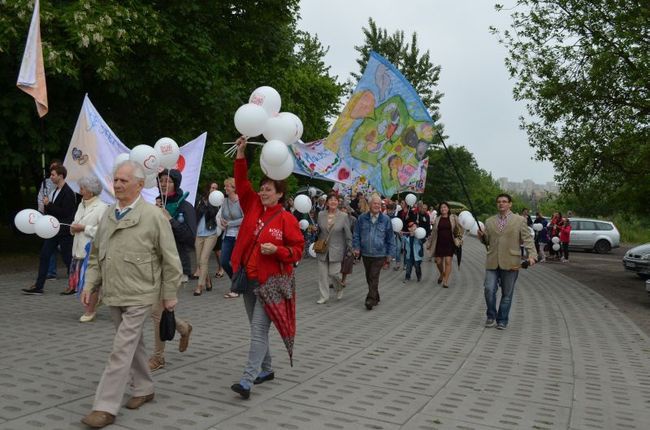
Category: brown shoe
[156,363]
[136,402]
[185,339]
[98,419]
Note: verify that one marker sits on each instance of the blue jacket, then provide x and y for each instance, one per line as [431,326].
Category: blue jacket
[542,235]
[417,247]
[374,240]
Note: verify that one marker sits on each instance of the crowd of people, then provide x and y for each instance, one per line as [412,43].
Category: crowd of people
[136,256]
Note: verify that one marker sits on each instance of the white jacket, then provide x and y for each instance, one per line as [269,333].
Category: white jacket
[88,213]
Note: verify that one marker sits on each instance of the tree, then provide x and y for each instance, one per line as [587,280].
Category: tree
[155,68]
[582,67]
[417,68]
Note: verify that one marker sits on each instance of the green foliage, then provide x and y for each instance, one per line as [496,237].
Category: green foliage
[582,67]
[634,229]
[153,69]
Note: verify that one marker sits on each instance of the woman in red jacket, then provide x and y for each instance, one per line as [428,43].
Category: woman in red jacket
[565,238]
[269,243]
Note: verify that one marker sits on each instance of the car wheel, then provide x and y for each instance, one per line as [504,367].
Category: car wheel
[602,246]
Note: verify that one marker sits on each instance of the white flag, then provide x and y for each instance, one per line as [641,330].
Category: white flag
[31,77]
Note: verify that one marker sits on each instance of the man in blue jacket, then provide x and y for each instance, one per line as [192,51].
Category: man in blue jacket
[374,241]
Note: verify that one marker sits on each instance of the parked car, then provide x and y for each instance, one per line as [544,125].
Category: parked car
[637,260]
[594,234]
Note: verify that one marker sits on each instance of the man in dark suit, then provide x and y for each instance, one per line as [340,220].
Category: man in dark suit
[62,206]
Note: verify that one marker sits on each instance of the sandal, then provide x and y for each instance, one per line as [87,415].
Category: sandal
[218,275]
[230,295]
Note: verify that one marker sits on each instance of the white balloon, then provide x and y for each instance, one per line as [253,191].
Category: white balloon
[556,246]
[168,152]
[216,198]
[556,240]
[147,157]
[410,199]
[268,98]
[302,203]
[303,224]
[398,225]
[538,226]
[274,153]
[47,226]
[120,158]
[278,173]
[473,230]
[297,125]
[25,220]
[420,233]
[532,231]
[312,253]
[280,128]
[250,120]
[313,191]
[466,219]
[151,181]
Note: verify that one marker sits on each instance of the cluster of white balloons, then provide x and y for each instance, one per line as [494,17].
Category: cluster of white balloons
[261,115]
[30,221]
[538,226]
[163,155]
[467,221]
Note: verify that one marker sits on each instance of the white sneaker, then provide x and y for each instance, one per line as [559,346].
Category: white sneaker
[321,301]
[185,279]
[339,294]
[87,318]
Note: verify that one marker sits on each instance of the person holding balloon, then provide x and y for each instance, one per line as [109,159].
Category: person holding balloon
[269,243]
[83,228]
[414,254]
[445,227]
[334,230]
[207,234]
[61,206]
[230,216]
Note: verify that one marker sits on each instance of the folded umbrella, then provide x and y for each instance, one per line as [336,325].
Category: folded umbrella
[278,296]
[459,254]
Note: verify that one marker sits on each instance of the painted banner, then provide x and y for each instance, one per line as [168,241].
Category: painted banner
[381,137]
[94,146]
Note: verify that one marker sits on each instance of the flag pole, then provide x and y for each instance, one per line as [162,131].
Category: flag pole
[460,178]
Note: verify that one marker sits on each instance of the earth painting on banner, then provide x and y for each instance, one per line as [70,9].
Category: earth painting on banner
[379,141]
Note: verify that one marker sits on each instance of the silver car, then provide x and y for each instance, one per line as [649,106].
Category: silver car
[594,234]
[637,260]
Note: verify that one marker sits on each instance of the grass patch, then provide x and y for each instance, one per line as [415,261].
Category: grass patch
[634,229]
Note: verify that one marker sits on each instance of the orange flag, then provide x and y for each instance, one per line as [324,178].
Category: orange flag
[31,77]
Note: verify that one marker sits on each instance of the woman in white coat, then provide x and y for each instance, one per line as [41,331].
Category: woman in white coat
[90,211]
[334,227]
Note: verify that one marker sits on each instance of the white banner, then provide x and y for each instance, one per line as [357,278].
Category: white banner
[94,146]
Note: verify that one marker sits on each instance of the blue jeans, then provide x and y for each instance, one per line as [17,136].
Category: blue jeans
[259,354]
[493,279]
[51,270]
[418,268]
[49,247]
[227,245]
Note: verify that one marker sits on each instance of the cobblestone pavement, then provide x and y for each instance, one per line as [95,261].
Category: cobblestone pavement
[420,360]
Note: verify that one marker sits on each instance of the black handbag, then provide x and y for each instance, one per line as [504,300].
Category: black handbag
[240,279]
[167,325]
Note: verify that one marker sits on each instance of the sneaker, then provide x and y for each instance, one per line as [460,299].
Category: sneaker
[404,281]
[245,393]
[51,276]
[185,279]
[339,294]
[501,326]
[321,301]
[87,318]
[490,323]
[32,291]
[265,377]
[156,363]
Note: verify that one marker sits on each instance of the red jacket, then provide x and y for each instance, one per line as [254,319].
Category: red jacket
[565,234]
[283,231]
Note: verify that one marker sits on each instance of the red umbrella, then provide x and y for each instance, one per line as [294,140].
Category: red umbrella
[278,295]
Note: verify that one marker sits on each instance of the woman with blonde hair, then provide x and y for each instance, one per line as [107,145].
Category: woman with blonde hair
[230,216]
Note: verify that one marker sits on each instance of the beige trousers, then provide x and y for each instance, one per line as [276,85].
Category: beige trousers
[159,345]
[204,246]
[128,360]
[328,273]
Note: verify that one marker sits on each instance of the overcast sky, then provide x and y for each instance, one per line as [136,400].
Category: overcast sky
[477,108]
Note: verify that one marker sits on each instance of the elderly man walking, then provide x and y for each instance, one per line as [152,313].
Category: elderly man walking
[502,236]
[374,241]
[135,264]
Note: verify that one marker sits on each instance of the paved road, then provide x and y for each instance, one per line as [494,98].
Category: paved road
[420,360]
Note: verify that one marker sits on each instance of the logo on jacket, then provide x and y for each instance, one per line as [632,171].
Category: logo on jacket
[276,233]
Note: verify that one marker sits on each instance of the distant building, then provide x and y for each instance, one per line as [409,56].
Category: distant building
[528,187]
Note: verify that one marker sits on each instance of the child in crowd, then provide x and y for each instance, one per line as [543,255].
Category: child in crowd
[414,253]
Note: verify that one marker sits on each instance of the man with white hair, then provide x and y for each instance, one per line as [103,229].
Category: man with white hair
[135,264]
[373,239]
